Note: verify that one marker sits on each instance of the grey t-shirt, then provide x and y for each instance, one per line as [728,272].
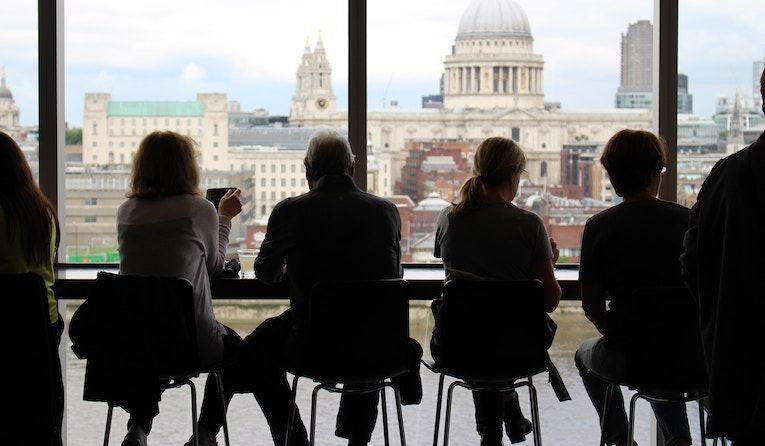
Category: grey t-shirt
[494,241]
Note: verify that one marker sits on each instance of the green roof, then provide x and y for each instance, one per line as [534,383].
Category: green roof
[155,108]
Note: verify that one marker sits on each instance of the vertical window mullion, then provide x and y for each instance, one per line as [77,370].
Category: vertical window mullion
[357,87]
[51,102]
[665,88]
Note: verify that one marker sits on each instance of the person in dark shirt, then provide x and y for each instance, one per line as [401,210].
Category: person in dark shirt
[723,265]
[632,245]
[334,232]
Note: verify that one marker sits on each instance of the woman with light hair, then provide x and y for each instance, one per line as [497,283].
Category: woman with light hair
[485,236]
[166,228]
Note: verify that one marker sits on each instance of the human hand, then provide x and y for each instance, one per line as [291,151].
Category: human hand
[231,203]
[555,250]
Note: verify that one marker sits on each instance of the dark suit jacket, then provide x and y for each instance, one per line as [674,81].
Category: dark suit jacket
[723,265]
[335,232]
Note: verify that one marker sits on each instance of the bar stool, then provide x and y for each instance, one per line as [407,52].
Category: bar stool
[662,328]
[136,330]
[33,398]
[492,337]
[355,336]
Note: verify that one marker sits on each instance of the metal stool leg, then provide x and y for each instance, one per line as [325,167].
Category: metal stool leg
[438,408]
[535,414]
[631,425]
[400,414]
[314,398]
[109,425]
[449,410]
[701,424]
[219,383]
[606,408]
[384,404]
[194,430]
[293,409]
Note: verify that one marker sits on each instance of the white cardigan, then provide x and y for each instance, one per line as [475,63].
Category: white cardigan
[178,236]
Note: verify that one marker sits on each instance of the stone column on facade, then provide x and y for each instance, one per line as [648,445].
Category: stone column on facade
[516,84]
[532,79]
[541,81]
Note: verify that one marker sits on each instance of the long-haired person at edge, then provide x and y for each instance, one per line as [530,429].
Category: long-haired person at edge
[28,242]
[484,235]
[723,265]
[634,244]
[165,208]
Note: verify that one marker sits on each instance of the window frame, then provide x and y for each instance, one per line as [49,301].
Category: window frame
[51,94]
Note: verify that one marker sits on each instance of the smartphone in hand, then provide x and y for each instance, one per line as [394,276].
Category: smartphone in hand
[215,194]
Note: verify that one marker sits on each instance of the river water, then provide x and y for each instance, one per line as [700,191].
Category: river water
[570,423]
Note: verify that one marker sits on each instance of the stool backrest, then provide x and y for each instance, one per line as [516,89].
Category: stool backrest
[663,340]
[489,321]
[358,322]
[144,325]
[30,398]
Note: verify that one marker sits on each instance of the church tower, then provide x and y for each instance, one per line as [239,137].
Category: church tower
[313,99]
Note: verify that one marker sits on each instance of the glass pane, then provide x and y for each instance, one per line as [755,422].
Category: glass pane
[18,78]
[551,82]
[722,55]
[223,74]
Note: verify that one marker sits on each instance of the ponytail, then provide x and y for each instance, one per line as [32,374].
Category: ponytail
[496,160]
[472,195]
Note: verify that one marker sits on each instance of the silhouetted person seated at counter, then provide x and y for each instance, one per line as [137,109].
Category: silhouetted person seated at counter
[29,238]
[723,266]
[334,232]
[485,236]
[632,245]
[165,209]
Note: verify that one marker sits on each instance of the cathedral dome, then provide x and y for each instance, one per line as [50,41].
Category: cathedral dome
[488,19]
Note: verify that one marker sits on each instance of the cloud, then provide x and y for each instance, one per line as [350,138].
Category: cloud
[248,46]
[193,72]
[104,78]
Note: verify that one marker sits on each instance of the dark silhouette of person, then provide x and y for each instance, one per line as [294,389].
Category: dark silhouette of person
[165,208]
[334,232]
[635,244]
[485,236]
[722,265]
[29,239]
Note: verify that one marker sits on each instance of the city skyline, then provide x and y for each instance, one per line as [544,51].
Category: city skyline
[253,59]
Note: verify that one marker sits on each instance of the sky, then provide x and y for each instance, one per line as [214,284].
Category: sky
[250,49]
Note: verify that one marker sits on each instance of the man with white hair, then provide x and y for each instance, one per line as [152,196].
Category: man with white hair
[334,232]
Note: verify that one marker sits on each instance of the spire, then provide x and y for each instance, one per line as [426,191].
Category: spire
[319,42]
[307,45]
[5,92]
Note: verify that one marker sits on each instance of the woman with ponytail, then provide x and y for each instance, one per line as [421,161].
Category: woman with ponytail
[29,239]
[485,236]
